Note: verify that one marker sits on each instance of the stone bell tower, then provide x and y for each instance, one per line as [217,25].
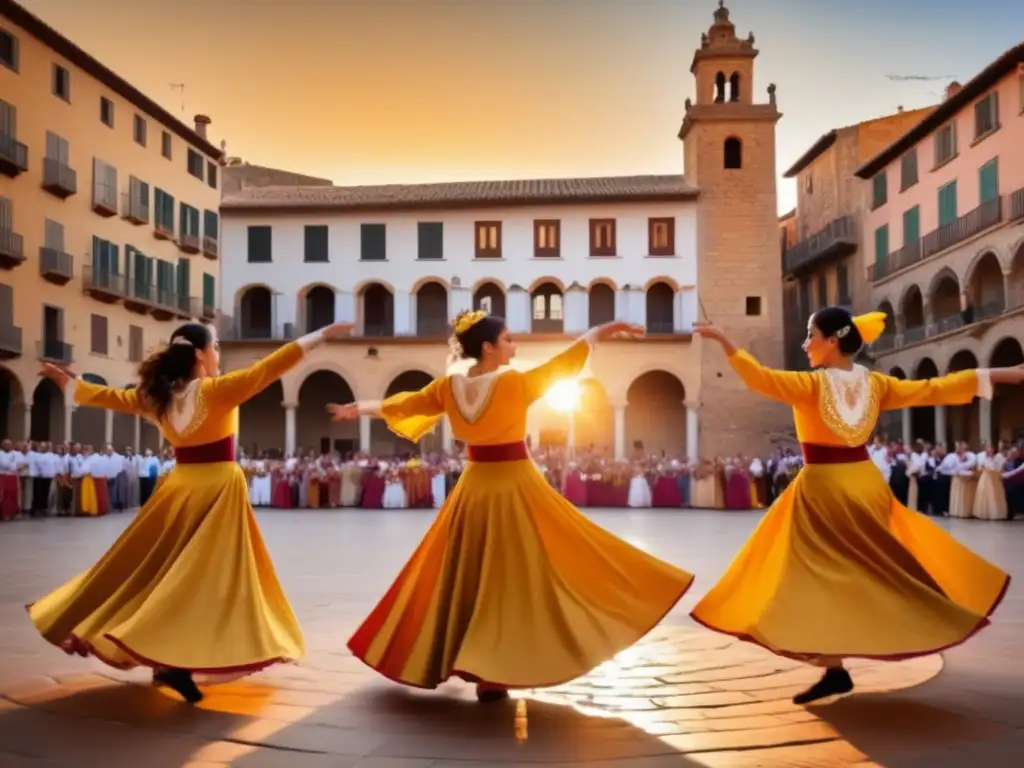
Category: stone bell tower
[729,155]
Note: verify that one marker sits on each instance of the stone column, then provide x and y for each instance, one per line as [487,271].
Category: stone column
[403,321]
[69,412]
[576,313]
[108,427]
[620,432]
[364,433]
[692,431]
[908,436]
[985,420]
[289,428]
[137,436]
[940,425]
[28,421]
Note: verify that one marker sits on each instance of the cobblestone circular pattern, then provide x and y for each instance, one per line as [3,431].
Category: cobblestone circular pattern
[681,697]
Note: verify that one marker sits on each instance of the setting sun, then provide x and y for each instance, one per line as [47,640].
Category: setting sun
[564,396]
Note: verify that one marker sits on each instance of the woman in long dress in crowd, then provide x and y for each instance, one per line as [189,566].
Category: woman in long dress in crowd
[512,587]
[990,499]
[189,586]
[837,567]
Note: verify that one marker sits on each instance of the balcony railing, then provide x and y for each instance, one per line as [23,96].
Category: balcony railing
[237,329]
[947,324]
[104,199]
[378,330]
[12,248]
[55,265]
[839,238]
[55,351]
[906,256]
[162,230]
[59,178]
[10,341]
[210,247]
[433,326]
[660,326]
[13,155]
[915,334]
[188,243]
[103,284]
[1017,205]
[134,208]
[967,226]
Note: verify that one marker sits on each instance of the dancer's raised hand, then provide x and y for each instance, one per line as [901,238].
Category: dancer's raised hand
[620,328]
[336,330]
[343,412]
[56,374]
[709,331]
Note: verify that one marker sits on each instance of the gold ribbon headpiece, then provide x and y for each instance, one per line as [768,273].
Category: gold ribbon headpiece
[870,326]
[466,320]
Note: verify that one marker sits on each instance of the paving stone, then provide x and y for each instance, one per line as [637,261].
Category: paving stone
[684,696]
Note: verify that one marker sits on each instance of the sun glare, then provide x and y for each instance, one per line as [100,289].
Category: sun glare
[564,396]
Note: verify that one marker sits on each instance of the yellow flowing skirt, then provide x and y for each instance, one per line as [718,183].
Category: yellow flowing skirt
[838,567]
[512,585]
[188,585]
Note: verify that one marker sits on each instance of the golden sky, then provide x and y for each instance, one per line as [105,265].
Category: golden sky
[378,91]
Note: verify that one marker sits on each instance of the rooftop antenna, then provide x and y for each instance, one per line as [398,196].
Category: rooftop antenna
[181,88]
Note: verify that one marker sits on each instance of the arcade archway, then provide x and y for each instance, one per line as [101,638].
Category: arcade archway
[261,422]
[656,413]
[314,431]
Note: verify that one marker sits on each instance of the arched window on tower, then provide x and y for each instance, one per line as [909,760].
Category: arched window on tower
[733,153]
[719,87]
[734,87]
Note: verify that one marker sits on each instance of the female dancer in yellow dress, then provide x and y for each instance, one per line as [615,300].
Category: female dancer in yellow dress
[189,586]
[512,587]
[838,568]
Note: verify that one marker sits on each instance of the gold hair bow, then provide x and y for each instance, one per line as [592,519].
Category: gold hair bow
[467,320]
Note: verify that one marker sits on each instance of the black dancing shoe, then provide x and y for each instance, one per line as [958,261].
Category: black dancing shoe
[181,681]
[834,682]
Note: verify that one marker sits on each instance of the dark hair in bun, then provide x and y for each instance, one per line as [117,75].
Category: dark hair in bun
[838,322]
[484,331]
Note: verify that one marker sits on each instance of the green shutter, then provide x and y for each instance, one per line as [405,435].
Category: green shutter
[184,283]
[164,281]
[988,180]
[881,243]
[209,291]
[911,226]
[947,203]
[880,191]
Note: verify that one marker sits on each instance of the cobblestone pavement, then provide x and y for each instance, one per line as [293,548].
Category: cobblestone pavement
[683,697]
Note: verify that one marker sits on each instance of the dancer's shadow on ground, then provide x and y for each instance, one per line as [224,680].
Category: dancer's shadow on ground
[902,728]
[251,725]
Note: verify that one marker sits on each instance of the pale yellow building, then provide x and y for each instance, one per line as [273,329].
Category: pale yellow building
[109,230]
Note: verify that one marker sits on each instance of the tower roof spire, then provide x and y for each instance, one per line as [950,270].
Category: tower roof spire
[720,41]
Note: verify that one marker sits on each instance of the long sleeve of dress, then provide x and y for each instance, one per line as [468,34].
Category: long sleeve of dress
[410,415]
[233,389]
[791,387]
[564,365]
[85,393]
[957,388]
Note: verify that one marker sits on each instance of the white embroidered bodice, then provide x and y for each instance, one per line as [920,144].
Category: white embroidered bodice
[182,413]
[472,394]
[848,403]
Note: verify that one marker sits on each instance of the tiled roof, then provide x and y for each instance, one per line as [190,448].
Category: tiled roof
[464,194]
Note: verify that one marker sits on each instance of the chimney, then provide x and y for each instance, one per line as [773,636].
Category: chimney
[201,122]
[899,110]
[953,89]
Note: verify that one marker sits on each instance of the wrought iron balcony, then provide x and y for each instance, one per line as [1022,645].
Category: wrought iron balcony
[162,230]
[104,285]
[104,199]
[1017,205]
[432,326]
[378,330]
[906,256]
[134,208]
[59,178]
[971,223]
[660,327]
[12,249]
[914,335]
[836,240]
[230,328]
[10,341]
[210,247]
[13,155]
[55,351]
[188,243]
[55,265]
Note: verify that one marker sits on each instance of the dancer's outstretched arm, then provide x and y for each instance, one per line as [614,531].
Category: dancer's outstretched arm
[957,388]
[791,387]
[410,415]
[571,362]
[233,389]
[228,390]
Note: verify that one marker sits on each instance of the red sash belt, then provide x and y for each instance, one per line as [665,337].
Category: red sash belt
[210,453]
[833,454]
[503,452]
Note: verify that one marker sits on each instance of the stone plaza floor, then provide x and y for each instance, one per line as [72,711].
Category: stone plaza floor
[683,697]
